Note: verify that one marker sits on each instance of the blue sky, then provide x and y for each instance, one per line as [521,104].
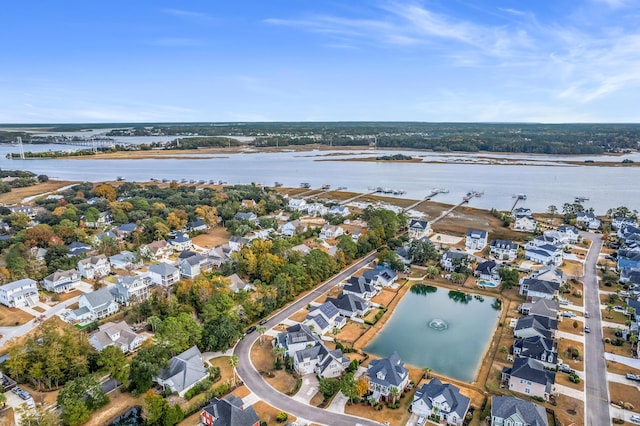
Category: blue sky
[316,60]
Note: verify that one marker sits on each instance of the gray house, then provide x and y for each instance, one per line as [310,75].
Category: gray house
[507,411]
[386,374]
[185,370]
[441,400]
[536,347]
[349,305]
[529,376]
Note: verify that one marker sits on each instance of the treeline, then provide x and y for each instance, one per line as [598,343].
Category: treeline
[395,157]
[19,179]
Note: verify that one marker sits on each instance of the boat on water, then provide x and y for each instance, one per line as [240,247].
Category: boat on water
[581,199]
[305,185]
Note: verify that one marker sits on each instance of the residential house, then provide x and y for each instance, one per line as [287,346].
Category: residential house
[330,231]
[546,255]
[302,249]
[444,401]
[533,325]
[635,304]
[77,248]
[96,305]
[419,229]
[476,239]
[229,411]
[450,259]
[125,260]
[107,235]
[361,287]
[521,212]
[542,307]
[628,260]
[292,228]
[163,274]
[620,222]
[124,230]
[536,288]
[357,233]
[537,347]
[94,267]
[568,234]
[193,265]
[181,242]
[298,205]
[296,338]
[237,284]
[549,273]
[320,360]
[19,294]
[317,209]
[116,334]
[248,216]
[236,243]
[104,219]
[588,219]
[220,254]
[525,223]
[339,211]
[129,290]
[349,305]
[403,254]
[157,251]
[61,281]
[324,318]
[488,271]
[32,212]
[510,411]
[198,225]
[386,374]
[504,250]
[380,277]
[185,370]
[528,376]
[545,239]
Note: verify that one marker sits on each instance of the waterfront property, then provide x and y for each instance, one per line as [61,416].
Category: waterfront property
[442,401]
[448,332]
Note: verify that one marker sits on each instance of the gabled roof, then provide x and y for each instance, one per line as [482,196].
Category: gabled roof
[454,255]
[180,237]
[543,307]
[298,333]
[503,407]
[359,285]
[532,370]
[457,402]
[535,346]
[487,268]
[391,371]
[418,224]
[123,256]
[185,254]
[349,302]
[238,283]
[568,229]
[28,282]
[245,216]
[476,234]
[504,245]
[163,269]
[127,227]
[99,297]
[373,274]
[193,260]
[184,370]
[230,411]
[59,274]
[93,260]
[197,223]
[541,286]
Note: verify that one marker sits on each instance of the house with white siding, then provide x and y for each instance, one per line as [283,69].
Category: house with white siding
[18,294]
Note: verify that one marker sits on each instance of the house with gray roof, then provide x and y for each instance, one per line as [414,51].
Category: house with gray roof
[537,347]
[381,277]
[181,242]
[529,376]
[19,293]
[535,288]
[125,260]
[476,239]
[96,305]
[588,219]
[132,289]
[349,305]
[249,216]
[541,307]
[236,242]
[508,411]
[386,374]
[185,370]
[157,250]
[77,248]
[61,281]
[324,318]
[94,267]
[116,334]
[361,287]
[198,225]
[525,223]
[533,325]
[163,274]
[237,284]
[450,258]
[191,266]
[443,401]
[229,411]
[418,229]
[488,271]
[503,249]
[320,360]
[296,338]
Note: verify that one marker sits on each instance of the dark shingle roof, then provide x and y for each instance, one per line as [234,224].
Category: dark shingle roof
[391,369]
[230,412]
[457,402]
[504,407]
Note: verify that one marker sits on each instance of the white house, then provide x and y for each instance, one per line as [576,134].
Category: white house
[61,281]
[381,277]
[536,288]
[317,209]
[588,219]
[237,284]
[185,370]
[330,231]
[324,318]
[444,401]
[164,274]
[293,227]
[450,258]
[528,376]
[297,205]
[339,211]
[96,305]
[117,334]
[134,289]
[296,338]
[124,260]
[320,360]
[157,250]
[619,222]
[510,411]
[94,267]
[386,374]
[504,250]
[19,293]
[419,229]
[546,254]
[525,223]
[181,242]
[476,239]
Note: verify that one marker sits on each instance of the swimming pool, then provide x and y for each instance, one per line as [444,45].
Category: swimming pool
[487,284]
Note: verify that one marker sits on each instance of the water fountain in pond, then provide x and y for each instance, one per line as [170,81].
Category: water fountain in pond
[438,324]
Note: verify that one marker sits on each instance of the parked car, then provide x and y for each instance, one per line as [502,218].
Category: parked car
[635,418]
[568,314]
[586,314]
[566,369]
[262,322]
[421,421]
[633,377]
[587,329]
[16,390]
[251,329]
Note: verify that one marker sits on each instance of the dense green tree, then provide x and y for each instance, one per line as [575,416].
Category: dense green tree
[328,386]
[509,277]
[79,398]
[146,365]
[421,251]
[220,333]
[115,363]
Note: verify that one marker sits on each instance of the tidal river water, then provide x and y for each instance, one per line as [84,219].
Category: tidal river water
[544,183]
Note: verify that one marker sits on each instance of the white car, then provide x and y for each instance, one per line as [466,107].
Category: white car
[635,418]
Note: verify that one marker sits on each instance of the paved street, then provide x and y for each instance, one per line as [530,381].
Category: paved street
[254,381]
[596,389]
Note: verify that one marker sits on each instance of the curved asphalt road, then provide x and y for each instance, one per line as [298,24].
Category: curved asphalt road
[254,381]
[597,389]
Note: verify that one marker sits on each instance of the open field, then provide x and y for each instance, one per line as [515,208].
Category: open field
[13,316]
[624,393]
[267,413]
[212,238]
[17,194]
[564,346]
[569,410]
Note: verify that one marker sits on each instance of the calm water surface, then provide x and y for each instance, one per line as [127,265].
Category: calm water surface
[455,351]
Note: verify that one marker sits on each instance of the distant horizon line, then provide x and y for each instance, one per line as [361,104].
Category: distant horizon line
[230,123]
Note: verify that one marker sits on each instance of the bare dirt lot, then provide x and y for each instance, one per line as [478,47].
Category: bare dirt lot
[212,238]
[13,316]
[624,393]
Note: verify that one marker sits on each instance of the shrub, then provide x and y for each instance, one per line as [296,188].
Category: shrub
[574,378]
[282,417]
[538,398]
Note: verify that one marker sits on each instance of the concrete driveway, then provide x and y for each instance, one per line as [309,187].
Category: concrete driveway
[569,336]
[620,378]
[570,392]
[338,403]
[308,388]
[631,362]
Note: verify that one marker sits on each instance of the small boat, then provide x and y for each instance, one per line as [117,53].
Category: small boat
[278,184]
[305,185]
[326,186]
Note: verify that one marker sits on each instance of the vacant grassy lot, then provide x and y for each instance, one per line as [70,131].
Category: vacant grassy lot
[564,347]
[212,238]
[385,297]
[13,316]
[624,393]
[17,194]
[264,360]
[569,410]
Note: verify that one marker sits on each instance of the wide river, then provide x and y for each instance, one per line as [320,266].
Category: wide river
[543,182]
